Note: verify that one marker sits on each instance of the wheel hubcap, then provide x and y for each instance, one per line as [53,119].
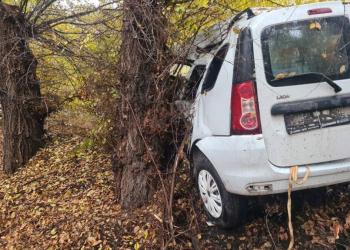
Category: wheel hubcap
[210,193]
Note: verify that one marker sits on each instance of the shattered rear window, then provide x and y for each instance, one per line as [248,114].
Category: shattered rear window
[317,45]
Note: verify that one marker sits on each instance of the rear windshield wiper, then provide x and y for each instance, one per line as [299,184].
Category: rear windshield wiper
[313,76]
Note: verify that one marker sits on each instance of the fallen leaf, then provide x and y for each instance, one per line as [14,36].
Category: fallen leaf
[347,221]
[342,69]
[93,242]
[53,231]
[315,25]
[336,229]
[281,76]
[283,235]
[136,229]
[236,30]
[331,239]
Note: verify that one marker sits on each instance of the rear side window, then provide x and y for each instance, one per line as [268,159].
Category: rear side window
[214,69]
[195,79]
[312,46]
[244,67]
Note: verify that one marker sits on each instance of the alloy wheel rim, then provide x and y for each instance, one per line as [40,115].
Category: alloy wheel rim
[210,193]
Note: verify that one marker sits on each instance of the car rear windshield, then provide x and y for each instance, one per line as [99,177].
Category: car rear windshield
[301,47]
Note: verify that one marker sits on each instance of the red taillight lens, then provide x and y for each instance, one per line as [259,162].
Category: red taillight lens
[319,11]
[245,117]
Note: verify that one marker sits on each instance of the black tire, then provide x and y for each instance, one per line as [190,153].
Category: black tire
[234,207]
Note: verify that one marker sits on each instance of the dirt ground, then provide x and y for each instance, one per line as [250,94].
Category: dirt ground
[64,199]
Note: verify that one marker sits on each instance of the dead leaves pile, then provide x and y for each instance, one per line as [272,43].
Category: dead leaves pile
[325,226]
[328,227]
[64,199]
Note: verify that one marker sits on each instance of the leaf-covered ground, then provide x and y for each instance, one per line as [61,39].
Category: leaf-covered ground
[64,199]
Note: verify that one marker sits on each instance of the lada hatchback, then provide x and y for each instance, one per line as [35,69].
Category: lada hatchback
[274,92]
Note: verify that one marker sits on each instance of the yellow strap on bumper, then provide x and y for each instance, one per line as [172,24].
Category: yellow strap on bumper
[293,180]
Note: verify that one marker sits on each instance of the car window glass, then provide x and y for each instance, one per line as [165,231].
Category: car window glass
[193,83]
[244,68]
[317,45]
[214,68]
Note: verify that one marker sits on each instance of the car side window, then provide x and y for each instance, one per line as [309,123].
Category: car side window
[194,81]
[244,68]
[214,69]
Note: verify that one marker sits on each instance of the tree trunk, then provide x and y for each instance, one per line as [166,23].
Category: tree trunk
[23,108]
[142,54]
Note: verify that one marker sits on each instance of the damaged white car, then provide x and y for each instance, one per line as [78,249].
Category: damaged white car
[273,93]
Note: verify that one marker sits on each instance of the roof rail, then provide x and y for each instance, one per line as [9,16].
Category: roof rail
[237,17]
[223,29]
[247,11]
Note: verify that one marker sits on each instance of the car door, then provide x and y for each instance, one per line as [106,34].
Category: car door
[304,120]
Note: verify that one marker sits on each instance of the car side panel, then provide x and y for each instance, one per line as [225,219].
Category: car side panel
[216,102]
[212,110]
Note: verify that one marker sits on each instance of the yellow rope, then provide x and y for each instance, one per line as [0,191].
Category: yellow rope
[293,180]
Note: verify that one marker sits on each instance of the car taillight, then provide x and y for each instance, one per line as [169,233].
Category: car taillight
[245,118]
[319,11]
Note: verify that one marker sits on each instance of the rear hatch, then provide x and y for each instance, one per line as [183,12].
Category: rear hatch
[300,64]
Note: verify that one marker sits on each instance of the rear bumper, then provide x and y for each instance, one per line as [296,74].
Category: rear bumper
[242,164]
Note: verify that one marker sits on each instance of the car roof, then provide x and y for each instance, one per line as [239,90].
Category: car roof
[293,13]
[217,33]
[264,16]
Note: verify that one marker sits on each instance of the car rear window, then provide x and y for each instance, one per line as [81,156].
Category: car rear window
[317,45]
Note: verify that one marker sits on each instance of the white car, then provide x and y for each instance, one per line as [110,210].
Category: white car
[273,93]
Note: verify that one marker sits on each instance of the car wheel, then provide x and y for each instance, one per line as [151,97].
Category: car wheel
[224,209]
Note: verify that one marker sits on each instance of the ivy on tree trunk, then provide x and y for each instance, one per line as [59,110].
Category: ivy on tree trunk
[141,61]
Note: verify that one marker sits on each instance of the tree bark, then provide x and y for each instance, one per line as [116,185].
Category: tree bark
[142,53]
[23,108]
